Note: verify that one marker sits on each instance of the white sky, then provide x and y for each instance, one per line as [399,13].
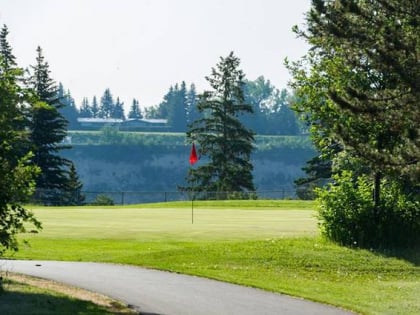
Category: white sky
[138,48]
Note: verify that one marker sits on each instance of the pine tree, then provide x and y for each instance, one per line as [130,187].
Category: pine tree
[220,136]
[85,109]
[8,59]
[135,112]
[118,110]
[68,109]
[95,108]
[48,130]
[177,108]
[74,196]
[192,100]
[107,105]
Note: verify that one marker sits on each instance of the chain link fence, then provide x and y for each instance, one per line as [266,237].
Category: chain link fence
[55,197]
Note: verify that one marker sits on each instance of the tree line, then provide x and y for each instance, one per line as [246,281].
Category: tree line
[272,112]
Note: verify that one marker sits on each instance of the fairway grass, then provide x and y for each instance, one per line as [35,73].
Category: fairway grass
[267,244]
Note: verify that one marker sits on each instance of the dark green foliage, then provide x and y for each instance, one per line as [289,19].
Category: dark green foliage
[318,172]
[74,196]
[177,107]
[174,108]
[68,109]
[118,110]
[95,108]
[107,105]
[348,214]
[85,109]
[47,132]
[358,89]
[192,100]
[48,129]
[362,89]
[17,174]
[8,59]
[221,137]
[135,112]
[103,200]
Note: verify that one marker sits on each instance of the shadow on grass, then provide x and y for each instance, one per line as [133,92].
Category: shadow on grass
[411,255]
[17,303]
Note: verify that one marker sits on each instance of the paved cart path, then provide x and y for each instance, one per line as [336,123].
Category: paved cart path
[155,292]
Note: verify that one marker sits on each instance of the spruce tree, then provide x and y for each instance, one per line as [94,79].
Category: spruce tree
[192,100]
[118,110]
[135,112]
[95,108]
[8,59]
[85,109]
[224,144]
[73,193]
[68,109]
[107,106]
[48,128]
[177,108]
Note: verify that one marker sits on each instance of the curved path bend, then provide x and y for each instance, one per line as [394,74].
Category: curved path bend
[153,292]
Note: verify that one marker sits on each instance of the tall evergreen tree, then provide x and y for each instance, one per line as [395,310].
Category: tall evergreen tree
[95,108]
[118,110]
[85,109]
[107,105]
[164,108]
[220,135]
[17,173]
[48,129]
[135,112]
[177,108]
[8,59]
[73,193]
[192,100]
[68,108]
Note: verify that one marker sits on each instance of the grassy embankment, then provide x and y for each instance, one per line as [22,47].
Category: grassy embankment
[33,296]
[272,245]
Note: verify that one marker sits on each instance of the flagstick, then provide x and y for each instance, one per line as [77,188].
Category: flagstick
[193,159]
[192,206]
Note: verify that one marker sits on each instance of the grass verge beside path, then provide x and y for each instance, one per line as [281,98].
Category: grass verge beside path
[33,296]
[270,245]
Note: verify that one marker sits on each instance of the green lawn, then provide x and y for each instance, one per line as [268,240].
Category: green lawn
[268,244]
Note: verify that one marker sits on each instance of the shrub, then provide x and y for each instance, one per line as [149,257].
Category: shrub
[103,200]
[348,214]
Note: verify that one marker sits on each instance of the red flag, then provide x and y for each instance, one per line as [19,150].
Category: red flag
[193,155]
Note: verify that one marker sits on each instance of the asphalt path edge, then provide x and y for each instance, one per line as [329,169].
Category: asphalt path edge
[154,292]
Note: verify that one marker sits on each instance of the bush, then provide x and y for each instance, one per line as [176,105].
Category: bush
[348,214]
[103,200]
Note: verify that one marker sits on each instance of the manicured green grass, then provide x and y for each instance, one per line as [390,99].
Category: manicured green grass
[268,244]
